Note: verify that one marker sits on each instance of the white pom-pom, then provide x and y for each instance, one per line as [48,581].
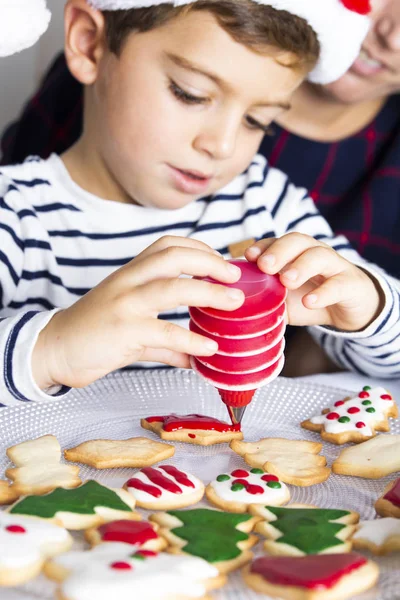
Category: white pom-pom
[22,22]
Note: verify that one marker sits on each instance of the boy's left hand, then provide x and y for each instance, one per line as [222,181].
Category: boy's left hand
[323,287]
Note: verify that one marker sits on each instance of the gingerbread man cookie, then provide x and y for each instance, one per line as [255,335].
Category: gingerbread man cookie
[236,491]
[114,570]
[164,487]
[298,531]
[314,577]
[380,536]
[137,533]
[355,419]
[193,429]
[25,544]
[388,505]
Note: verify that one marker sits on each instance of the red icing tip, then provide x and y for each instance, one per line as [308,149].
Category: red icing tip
[236,399]
[15,529]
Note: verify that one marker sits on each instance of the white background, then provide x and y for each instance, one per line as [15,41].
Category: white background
[20,74]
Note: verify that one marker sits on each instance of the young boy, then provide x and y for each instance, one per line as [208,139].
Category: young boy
[177,101]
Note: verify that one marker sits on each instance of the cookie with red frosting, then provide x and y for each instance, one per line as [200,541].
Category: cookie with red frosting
[388,505]
[192,429]
[140,534]
[237,490]
[314,577]
[164,487]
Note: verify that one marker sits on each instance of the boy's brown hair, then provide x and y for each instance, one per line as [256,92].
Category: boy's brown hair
[254,25]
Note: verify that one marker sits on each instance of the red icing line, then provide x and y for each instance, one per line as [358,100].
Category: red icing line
[163,482]
[179,476]
[137,484]
[15,529]
[240,473]
[317,572]
[175,422]
[130,532]
[121,566]
[393,495]
[360,424]
[386,397]
[353,409]
[270,478]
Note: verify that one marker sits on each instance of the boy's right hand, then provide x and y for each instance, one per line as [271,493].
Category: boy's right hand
[116,324]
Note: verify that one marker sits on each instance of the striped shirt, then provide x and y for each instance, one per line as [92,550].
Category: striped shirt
[58,241]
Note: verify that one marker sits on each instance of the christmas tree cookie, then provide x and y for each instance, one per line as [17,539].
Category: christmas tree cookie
[388,505]
[25,544]
[237,490]
[316,577]
[116,570]
[86,506]
[298,531]
[355,419]
[220,538]
[142,534]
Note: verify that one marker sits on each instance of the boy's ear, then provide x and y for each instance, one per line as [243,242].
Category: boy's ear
[85,41]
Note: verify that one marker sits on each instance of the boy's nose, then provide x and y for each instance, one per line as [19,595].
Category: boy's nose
[218,140]
[388,26]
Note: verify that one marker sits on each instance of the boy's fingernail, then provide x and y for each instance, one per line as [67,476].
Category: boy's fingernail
[234,294]
[269,260]
[312,298]
[234,270]
[254,250]
[211,345]
[291,274]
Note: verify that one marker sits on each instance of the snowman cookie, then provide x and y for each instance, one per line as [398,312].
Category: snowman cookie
[25,544]
[355,419]
[164,487]
[236,491]
[115,570]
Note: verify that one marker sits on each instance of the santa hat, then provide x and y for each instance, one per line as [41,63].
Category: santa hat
[22,22]
[340,26]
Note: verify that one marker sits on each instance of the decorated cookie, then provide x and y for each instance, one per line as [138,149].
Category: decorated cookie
[294,461]
[137,533]
[38,468]
[221,538]
[193,429]
[355,419]
[86,506]
[164,487]
[116,570]
[293,531]
[25,544]
[380,536]
[317,577]
[240,488]
[372,459]
[7,493]
[110,454]
[388,505]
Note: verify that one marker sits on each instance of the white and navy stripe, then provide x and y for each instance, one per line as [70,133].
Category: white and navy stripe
[58,241]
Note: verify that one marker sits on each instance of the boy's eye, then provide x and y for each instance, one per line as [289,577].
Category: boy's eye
[254,124]
[185,97]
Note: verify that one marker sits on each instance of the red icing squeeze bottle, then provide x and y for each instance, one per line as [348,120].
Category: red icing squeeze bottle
[250,339]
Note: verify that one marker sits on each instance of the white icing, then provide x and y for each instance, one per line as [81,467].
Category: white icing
[142,496]
[378,530]
[155,578]
[23,549]
[370,419]
[270,496]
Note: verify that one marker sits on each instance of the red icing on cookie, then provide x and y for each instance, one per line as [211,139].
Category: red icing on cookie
[191,435]
[175,422]
[339,403]
[158,479]
[137,484]
[317,572]
[269,477]
[146,553]
[332,416]
[240,473]
[131,532]
[179,476]
[250,488]
[15,529]
[363,395]
[161,481]
[353,409]
[360,424]
[386,397]
[393,495]
[121,566]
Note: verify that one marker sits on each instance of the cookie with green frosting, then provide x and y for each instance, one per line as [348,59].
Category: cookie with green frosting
[300,530]
[221,538]
[86,506]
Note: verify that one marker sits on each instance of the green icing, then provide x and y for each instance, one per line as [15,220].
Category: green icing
[370,409]
[82,500]
[311,530]
[274,485]
[366,388]
[223,477]
[344,419]
[257,471]
[237,487]
[210,534]
[366,402]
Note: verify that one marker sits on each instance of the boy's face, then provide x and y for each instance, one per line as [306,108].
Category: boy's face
[182,110]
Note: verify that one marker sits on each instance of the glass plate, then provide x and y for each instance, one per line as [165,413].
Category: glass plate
[112,407]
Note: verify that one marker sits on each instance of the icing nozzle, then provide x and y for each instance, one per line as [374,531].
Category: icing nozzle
[236,413]
[236,402]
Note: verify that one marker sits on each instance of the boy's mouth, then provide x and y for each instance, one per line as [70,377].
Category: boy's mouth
[189,182]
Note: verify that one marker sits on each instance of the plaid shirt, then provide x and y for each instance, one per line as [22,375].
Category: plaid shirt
[355,183]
